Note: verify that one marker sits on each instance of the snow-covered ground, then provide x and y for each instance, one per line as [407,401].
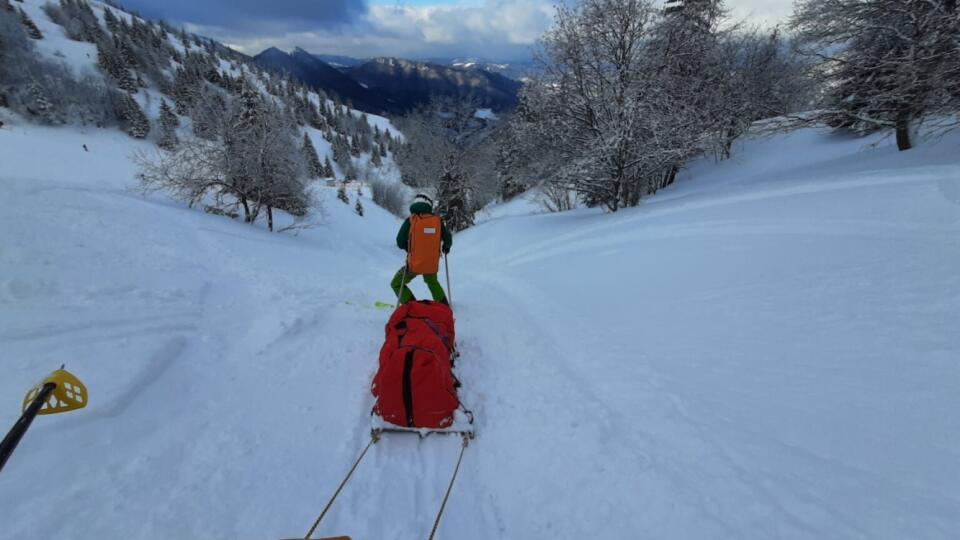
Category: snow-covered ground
[767,349]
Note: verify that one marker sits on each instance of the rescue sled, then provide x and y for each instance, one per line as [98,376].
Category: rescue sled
[415,387]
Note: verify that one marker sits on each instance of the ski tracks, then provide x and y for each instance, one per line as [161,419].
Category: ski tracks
[588,434]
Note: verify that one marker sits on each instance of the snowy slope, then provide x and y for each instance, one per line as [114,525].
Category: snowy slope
[765,350]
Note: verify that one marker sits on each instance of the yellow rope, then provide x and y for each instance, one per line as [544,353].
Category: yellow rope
[316,524]
[436,524]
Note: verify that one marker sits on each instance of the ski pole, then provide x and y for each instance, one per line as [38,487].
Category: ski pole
[403,283]
[446,264]
[60,392]
[19,429]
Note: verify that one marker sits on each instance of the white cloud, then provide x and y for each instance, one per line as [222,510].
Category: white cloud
[764,12]
[497,29]
[493,28]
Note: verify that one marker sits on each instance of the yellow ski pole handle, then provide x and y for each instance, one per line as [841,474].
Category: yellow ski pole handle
[59,392]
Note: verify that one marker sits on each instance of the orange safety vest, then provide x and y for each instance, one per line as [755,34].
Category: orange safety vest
[423,253]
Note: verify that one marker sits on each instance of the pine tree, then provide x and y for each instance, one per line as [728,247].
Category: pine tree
[136,122]
[341,151]
[110,61]
[327,168]
[186,89]
[359,207]
[355,146]
[453,201]
[169,122]
[110,19]
[314,168]
[125,52]
[376,160]
[342,193]
[31,27]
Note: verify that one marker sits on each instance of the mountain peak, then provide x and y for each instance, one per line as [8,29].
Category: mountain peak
[272,52]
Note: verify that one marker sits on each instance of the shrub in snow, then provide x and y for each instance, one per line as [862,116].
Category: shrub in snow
[392,197]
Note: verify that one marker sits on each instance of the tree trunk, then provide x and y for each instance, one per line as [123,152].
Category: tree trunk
[671,175]
[728,140]
[246,209]
[903,131]
[270,217]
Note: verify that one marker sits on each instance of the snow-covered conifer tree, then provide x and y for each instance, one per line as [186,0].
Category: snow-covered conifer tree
[314,168]
[453,201]
[169,122]
[32,30]
[135,121]
[880,60]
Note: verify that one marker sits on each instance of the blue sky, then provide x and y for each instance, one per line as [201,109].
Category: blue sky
[492,29]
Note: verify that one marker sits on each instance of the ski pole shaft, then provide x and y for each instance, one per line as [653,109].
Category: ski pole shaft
[446,264]
[403,283]
[12,439]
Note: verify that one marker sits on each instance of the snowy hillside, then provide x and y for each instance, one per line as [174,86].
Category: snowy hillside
[92,64]
[768,351]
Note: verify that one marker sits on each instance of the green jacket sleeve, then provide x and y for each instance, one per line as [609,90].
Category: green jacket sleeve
[403,237]
[447,237]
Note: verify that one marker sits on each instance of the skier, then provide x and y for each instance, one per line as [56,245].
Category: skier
[419,237]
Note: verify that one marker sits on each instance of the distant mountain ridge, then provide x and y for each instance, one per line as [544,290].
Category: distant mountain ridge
[393,85]
[516,69]
[318,74]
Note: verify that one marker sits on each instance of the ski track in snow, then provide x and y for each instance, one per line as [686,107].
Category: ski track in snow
[765,350]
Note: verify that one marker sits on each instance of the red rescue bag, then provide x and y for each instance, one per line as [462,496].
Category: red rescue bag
[415,386]
[440,315]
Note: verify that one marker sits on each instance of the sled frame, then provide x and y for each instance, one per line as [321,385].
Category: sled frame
[423,433]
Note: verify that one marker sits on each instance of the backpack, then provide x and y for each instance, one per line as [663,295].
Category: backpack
[426,239]
[439,315]
[415,386]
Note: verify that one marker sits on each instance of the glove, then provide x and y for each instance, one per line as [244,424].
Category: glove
[446,250]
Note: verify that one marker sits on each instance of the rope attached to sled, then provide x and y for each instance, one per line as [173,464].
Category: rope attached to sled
[373,440]
[436,524]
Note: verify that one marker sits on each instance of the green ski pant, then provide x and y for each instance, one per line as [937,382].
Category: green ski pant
[399,281]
